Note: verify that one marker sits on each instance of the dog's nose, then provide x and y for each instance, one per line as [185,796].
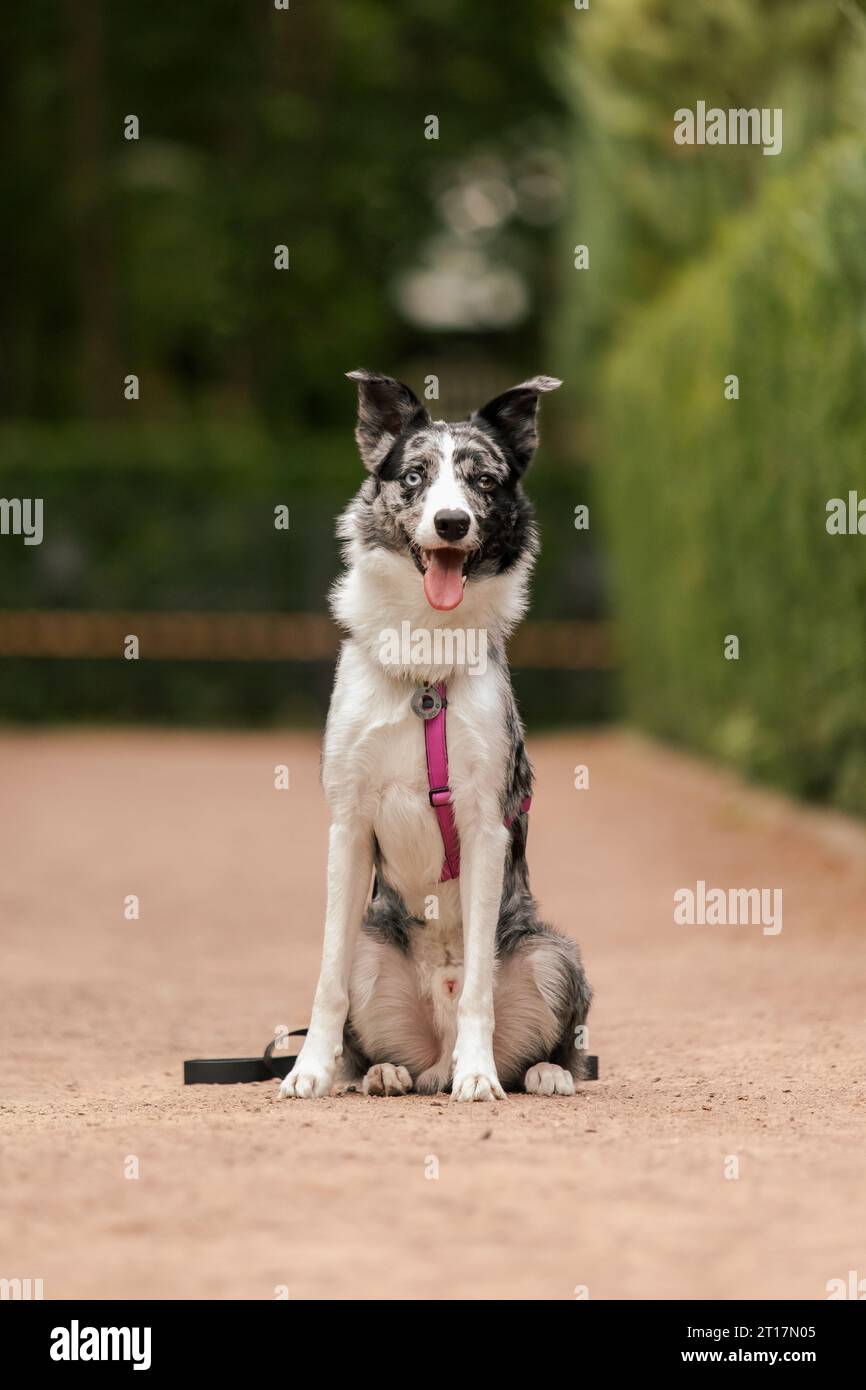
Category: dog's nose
[451,526]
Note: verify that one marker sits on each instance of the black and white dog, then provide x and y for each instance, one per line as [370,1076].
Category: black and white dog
[453,980]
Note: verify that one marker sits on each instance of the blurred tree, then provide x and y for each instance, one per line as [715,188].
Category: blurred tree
[259,127]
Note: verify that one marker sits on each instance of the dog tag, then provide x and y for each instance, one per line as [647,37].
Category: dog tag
[426,702]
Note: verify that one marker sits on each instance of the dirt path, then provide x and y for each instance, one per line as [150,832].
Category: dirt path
[714,1042]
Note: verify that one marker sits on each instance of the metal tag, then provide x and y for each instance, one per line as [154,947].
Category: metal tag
[426,702]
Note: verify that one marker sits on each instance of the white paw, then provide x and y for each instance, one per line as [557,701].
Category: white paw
[308,1080]
[477,1085]
[387,1080]
[546,1079]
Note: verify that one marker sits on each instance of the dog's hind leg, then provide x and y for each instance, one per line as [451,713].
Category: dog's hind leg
[356,1072]
[541,1002]
[384,1079]
[390,1028]
[353,1064]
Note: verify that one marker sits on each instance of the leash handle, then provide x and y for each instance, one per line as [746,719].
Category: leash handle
[277,1065]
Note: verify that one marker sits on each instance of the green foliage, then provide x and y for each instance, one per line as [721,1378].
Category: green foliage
[154,256]
[151,516]
[258,128]
[716,509]
[643,204]
[181,518]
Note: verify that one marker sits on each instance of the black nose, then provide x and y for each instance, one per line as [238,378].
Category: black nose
[451,526]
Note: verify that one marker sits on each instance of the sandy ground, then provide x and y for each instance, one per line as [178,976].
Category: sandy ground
[715,1042]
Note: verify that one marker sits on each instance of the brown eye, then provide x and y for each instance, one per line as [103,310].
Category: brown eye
[486,482]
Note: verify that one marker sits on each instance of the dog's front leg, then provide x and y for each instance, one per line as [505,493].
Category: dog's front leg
[482,865]
[350,866]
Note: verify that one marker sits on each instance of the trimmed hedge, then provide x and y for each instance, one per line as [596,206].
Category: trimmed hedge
[716,509]
[644,205]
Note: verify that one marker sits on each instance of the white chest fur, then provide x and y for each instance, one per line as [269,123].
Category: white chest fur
[375,767]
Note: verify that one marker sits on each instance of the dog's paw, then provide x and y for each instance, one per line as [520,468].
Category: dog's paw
[431,1081]
[387,1080]
[476,1085]
[308,1080]
[547,1079]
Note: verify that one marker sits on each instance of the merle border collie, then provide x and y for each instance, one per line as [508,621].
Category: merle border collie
[443,977]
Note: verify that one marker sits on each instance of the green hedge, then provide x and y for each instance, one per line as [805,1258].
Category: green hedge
[173,517]
[646,206]
[181,517]
[716,509]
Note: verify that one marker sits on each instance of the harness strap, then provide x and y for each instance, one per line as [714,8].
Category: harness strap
[440,792]
[436,746]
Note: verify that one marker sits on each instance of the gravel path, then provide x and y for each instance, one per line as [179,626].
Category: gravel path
[721,1047]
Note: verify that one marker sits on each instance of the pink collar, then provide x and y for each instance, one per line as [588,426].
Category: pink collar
[431,704]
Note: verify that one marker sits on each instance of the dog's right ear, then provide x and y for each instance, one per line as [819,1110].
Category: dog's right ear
[514,415]
[385,408]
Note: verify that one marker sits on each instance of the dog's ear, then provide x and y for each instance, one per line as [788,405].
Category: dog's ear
[385,408]
[514,416]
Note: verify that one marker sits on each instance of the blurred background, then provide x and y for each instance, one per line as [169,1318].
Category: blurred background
[307,128]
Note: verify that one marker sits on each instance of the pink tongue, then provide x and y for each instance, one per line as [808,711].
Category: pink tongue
[443,579]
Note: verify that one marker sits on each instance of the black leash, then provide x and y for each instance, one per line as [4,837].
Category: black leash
[226,1071]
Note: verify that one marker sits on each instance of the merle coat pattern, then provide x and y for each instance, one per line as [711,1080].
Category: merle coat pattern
[426,984]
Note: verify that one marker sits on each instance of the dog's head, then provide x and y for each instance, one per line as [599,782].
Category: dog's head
[448,497]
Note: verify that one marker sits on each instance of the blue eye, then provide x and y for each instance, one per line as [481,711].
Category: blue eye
[413,478]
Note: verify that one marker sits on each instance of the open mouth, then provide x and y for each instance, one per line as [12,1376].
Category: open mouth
[444,571]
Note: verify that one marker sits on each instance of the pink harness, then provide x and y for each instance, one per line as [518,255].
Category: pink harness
[432,711]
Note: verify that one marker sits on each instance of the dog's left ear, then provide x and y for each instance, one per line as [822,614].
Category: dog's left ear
[514,416]
[385,408]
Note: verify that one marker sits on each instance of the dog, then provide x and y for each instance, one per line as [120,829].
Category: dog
[444,977]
